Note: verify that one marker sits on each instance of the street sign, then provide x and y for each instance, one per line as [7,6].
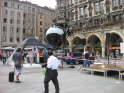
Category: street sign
[122,47]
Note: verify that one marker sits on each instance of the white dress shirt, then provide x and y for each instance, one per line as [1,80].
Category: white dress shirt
[53,62]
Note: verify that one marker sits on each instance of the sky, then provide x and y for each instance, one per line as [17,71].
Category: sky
[48,3]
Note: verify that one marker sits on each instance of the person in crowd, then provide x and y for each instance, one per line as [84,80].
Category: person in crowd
[41,55]
[18,60]
[1,55]
[31,56]
[98,55]
[86,62]
[4,58]
[37,56]
[24,56]
[51,72]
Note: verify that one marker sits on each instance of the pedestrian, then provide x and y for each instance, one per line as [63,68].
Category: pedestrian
[4,58]
[18,61]
[31,57]
[51,72]
[86,62]
[41,55]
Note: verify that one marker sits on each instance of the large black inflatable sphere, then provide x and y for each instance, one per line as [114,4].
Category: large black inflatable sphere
[55,36]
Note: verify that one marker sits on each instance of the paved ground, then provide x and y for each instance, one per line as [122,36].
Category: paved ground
[71,81]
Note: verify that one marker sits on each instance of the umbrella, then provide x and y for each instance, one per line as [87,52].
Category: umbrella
[31,42]
[49,46]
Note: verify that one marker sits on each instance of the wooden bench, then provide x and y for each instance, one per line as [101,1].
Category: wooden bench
[96,68]
[105,68]
[118,68]
[121,74]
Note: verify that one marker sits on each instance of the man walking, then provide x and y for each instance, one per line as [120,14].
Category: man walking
[51,72]
[18,60]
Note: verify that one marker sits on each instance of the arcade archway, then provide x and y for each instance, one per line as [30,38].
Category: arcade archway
[94,44]
[78,44]
[114,45]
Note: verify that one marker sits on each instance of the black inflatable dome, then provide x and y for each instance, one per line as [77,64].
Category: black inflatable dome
[55,36]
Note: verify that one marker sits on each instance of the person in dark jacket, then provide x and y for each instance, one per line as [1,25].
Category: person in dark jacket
[18,60]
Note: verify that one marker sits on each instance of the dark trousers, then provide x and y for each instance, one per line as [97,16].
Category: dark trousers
[51,75]
[41,59]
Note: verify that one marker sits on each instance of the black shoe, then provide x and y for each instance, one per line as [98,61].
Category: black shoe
[18,81]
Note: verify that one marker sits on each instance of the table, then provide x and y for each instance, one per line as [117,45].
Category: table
[105,69]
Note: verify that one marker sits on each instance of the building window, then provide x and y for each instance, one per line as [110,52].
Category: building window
[4,36]
[4,28]
[17,30]
[18,6]
[23,30]
[96,7]
[40,29]
[33,9]
[99,7]
[40,22]
[18,21]
[18,39]
[72,1]
[5,20]
[117,17]
[81,11]
[76,14]
[11,29]
[96,21]
[115,3]
[5,4]
[24,15]
[85,11]
[121,2]
[76,1]
[101,4]
[69,2]
[80,1]
[11,39]
[72,15]
[40,16]
[11,21]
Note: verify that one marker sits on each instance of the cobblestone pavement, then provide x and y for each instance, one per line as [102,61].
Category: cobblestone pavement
[71,81]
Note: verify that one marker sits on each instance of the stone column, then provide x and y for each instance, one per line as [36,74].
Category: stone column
[103,49]
[70,47]
[103,45]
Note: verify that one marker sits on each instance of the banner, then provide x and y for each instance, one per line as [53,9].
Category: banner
[122,47]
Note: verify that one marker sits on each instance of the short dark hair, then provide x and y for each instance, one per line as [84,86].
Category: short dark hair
[19,50]
[87,56]
[50,52]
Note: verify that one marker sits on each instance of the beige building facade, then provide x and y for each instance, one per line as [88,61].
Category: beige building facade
[45,19]
[21,19]
[98,24]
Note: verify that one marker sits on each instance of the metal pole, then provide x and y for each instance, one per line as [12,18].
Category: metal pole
[108,43]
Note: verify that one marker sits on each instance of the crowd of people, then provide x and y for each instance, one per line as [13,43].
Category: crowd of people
[36,56]
[51,66]
[29,56]
[4,55]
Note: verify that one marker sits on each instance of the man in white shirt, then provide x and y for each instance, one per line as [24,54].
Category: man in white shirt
[51,72]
